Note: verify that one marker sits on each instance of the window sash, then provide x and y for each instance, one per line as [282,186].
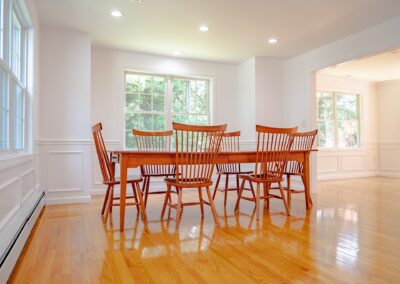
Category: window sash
[337,143]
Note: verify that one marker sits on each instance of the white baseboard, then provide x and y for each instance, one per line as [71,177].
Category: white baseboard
[346,176]
[386,174]
[67,200]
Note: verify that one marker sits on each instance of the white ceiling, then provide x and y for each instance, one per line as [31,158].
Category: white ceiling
[381,67]
[239,29]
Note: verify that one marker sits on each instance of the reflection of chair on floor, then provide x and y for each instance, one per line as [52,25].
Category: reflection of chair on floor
[190,239]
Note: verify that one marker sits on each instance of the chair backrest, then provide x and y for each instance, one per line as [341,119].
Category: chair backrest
[154,141]
[273,146]
[104,159]
[302,141]
[197,148]
[230,143]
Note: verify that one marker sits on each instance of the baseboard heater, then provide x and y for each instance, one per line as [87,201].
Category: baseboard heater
[11,254]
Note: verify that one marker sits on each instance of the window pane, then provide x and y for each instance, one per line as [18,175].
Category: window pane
[145,104]
[190,96]
[348,123]
[325,120]
[19,118]
[4,110]
[16,46]
[326,134]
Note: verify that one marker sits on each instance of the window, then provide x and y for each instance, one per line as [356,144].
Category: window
[154,101]
[4,110]
[1,27]
[12,76]
[338,119]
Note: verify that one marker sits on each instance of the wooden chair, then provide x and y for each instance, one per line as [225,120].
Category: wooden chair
[273,147]
[197,148]
[107,170]
[302,141]
[156,141]
[230,143]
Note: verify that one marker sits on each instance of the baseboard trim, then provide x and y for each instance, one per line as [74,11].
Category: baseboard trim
[11,255]
[338,177]
[68,200]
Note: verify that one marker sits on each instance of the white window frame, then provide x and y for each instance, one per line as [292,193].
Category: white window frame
[335,120]
[11,7]
[168,95]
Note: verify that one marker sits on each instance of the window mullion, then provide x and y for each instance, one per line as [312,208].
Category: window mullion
[335,128]
[168,103]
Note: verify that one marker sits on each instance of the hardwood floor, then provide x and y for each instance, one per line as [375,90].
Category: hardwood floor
[352,235]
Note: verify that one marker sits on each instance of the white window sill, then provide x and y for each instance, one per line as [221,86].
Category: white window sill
[6,157]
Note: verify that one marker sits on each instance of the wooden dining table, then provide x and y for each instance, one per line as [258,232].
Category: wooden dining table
[132,159]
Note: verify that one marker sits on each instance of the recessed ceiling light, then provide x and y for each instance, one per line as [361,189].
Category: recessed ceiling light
[204,28]
[177,52]
[116,13]
[272,40]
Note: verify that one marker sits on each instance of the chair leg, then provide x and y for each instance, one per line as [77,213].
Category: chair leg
[252,189]
[240,195]
[141,204]
[267,190]
[289,197]
[109,203]
[213,210]
[179,208]
[135,197]
[258,201]
[284,199]
[201,202]
[167,198]
[105,200]
[237,184]
[216,186]
[147,188]
[226,189]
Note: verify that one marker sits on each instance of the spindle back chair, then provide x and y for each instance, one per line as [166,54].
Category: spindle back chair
[273,146]
[107,171]
[197,148]
[230,143]
[153,141]
[302,141]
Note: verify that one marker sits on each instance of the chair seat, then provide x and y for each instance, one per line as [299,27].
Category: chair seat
[260,179]
[189,183]
[131,179]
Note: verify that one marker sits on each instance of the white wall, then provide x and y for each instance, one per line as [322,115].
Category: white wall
[64,136]
[246,101]
[347,163]
[299,72]
[389,127]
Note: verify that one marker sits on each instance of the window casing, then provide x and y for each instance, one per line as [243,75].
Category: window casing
[13,68]
[338,120]
[154,101]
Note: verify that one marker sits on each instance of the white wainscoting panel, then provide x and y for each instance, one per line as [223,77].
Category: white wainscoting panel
[389,158]
[65,170]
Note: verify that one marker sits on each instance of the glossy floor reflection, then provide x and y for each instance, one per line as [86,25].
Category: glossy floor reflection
[352,235]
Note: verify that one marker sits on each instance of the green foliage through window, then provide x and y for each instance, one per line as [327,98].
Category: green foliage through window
[338,120]
[147,98]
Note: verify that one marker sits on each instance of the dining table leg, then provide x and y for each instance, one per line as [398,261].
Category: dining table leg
[123,179]
[307,180]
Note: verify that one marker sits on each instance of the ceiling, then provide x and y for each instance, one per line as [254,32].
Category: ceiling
[381,67]
[239,29]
